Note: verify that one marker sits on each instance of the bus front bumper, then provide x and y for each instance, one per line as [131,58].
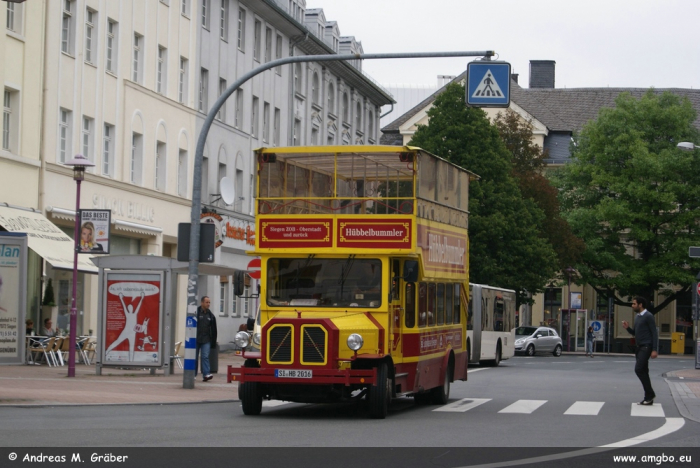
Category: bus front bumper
[270,375]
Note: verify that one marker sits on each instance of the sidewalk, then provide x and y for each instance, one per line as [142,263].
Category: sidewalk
[24,385]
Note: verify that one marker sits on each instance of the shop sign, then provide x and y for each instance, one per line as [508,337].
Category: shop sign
[294,233]
[374,234]
[13,260]
[216,220]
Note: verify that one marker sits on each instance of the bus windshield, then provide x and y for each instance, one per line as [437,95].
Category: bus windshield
[324,282]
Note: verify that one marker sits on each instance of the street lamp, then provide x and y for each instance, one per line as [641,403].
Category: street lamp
[687,146]
[78,163]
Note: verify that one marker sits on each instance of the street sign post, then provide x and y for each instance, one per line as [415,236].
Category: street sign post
[488,84]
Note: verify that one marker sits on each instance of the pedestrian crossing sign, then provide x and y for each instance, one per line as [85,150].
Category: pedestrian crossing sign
[488,84]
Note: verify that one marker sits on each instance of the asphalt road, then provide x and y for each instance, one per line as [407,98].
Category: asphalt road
[526,402]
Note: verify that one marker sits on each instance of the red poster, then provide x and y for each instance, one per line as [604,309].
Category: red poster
[132,322]
[375,234]
[295,233]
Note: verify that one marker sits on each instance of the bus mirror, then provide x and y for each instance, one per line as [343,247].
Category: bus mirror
[410,271]
[238,282]
[250,324]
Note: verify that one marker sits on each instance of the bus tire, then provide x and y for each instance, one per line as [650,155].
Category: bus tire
[497,358]
[251,398]
[530,350]
[440,395]
[380,394]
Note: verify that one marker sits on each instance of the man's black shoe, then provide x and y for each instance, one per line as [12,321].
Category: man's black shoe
[646,402]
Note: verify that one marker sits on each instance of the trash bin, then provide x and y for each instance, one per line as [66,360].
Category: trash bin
[677,343]
[214,359]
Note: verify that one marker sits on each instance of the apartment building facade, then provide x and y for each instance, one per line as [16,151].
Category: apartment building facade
[129,84]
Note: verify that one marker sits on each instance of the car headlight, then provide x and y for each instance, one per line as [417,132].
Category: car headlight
[242,339]
[520,341]
[256,338]
[355,341]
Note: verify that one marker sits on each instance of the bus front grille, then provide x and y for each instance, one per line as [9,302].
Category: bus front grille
[313,346]
[280,344]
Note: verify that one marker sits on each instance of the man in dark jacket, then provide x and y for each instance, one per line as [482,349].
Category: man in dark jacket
[206,336]
[646,338]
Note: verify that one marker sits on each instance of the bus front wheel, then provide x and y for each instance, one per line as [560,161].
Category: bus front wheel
[380,394]
[251,398]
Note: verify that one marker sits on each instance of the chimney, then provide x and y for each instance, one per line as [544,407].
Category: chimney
[514,77]
[542,73]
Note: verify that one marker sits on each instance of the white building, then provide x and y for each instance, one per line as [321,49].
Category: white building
[128,84]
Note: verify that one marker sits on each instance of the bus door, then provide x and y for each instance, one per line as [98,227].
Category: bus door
[396,311]
[476,306]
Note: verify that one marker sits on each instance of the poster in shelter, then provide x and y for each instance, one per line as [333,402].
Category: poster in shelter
[132,333]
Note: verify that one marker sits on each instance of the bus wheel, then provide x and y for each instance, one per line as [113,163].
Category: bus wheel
[380,395]
[497,358]
[531,350]
[440,395]
[251,398]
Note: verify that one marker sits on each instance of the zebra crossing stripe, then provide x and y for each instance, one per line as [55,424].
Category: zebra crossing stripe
[585,408]
[523,406]
[652,411]
[463,405]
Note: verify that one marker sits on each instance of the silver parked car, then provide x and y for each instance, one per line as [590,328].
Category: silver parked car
[531,340]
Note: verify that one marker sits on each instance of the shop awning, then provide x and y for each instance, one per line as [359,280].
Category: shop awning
[45,238]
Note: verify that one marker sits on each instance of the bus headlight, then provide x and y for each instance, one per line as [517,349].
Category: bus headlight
[242,339]
[256,339]
[355,341]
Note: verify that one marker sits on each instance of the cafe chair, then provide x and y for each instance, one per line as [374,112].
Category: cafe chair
[176,354]
[44,347]
[88,350]
[56,351]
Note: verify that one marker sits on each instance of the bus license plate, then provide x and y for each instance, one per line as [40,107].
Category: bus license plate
[294,373]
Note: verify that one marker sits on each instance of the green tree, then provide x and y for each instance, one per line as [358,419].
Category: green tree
[528,167]
[504,246]
[634,198]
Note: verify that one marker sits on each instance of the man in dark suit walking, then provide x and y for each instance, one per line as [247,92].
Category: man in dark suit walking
[646,337]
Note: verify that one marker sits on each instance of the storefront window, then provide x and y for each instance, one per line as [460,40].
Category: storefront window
[684,318]
[552,307]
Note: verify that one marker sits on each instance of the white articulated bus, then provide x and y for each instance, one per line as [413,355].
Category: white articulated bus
[490,324]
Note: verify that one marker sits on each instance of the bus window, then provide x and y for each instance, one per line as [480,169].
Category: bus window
[422,304]
[498,315]
[431,305]
[410,305]
[440,304]
[395,273]
[456,304]
[448,304]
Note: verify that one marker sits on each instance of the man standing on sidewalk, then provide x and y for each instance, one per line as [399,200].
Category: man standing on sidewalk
[206,336]
[646,337]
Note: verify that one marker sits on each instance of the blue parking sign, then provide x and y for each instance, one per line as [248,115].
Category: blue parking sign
[488,84]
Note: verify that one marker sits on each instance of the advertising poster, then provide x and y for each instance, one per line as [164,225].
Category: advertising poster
[94,231]
[576,300]
[10,258]
[132,333]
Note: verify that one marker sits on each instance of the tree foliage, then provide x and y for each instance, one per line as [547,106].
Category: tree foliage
[505,247]
[528,166]
[634,198]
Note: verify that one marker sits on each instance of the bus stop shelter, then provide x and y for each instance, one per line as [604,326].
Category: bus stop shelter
[137,302]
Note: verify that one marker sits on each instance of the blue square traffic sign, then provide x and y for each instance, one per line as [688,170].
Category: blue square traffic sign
[488,84]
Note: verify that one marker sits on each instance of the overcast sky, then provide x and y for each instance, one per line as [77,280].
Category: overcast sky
[595,43]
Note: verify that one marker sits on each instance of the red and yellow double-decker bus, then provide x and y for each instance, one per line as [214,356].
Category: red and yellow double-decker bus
[364,277]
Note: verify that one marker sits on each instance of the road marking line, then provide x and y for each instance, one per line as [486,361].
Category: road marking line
[585,408]
[463,405]
[671,425]
[523,406]
[476,370]
[652,411]
[272,403]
